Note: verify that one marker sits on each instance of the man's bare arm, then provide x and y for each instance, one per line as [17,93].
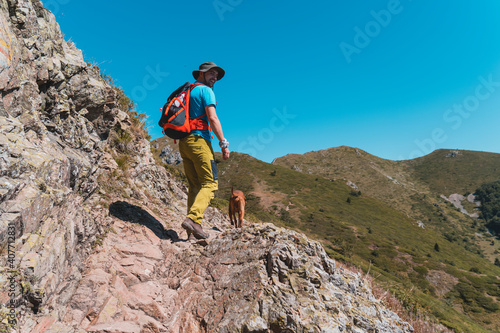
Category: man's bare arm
[216,128]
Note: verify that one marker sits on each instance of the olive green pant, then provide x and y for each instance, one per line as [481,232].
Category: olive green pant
[201,173]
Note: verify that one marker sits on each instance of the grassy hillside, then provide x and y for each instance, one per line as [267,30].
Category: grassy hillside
[440,274]
[415,187]
[386,180]
[455,171]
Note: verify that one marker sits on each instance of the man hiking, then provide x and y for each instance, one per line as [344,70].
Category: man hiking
[196,149]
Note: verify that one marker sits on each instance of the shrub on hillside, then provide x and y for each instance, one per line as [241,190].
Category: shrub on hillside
[489,196]
[473,299]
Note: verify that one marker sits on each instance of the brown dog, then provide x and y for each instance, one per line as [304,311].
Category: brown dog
[236,205]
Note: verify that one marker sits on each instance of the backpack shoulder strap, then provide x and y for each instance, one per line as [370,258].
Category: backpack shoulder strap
[195,85]
[198,123]
[191,88]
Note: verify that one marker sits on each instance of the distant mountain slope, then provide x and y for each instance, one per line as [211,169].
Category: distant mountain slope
[420,188]
[383,179]
[455,171]
[442,172]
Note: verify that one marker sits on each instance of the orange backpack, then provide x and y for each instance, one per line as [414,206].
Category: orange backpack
[175,119]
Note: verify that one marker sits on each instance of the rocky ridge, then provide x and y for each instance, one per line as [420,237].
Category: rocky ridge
[257,279]
[92,222]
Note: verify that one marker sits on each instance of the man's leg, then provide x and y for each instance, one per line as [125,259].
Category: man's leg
[201,202]
[200,153]
[193,186]
[192,178]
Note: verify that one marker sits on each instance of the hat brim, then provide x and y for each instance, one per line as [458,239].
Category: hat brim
[219,70]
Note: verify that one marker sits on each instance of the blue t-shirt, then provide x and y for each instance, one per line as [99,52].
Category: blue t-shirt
[201,97]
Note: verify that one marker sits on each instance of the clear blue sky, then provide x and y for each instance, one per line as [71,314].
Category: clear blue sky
[397,79]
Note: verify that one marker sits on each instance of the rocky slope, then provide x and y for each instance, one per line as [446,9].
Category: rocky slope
[89,225]
[258,279]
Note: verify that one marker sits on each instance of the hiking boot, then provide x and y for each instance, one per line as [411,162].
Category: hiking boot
[195,228]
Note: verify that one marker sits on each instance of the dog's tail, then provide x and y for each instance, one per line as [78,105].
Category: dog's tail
[232,193]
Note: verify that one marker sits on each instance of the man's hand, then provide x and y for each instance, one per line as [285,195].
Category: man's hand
[225,153]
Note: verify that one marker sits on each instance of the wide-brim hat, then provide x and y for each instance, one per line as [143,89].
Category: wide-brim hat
[206,66]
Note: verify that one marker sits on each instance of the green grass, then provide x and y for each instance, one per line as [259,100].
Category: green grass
[462,174]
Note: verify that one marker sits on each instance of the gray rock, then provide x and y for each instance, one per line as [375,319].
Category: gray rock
[169,156]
